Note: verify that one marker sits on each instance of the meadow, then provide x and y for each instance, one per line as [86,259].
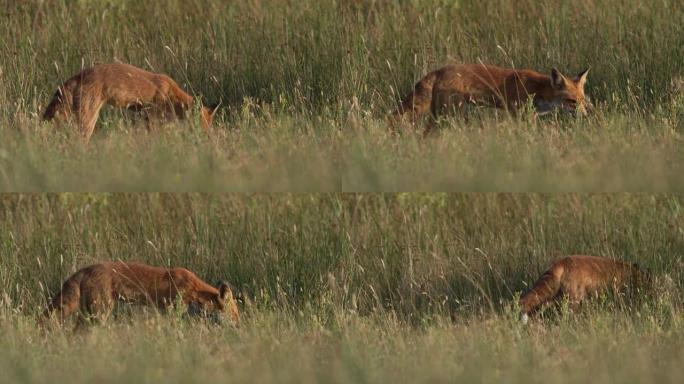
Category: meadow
[346,287]
[306,87]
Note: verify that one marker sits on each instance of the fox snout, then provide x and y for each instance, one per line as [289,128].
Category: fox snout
[577,110]
[587,106]
[219,319]
[216,317]
[574,110]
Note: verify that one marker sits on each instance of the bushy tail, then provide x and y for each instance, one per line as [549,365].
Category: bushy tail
[546,288]
[420,99]
[67,300]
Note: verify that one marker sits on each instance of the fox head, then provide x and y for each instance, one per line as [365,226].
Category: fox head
[567,94]
[227,304]
[207,115]
[216,306]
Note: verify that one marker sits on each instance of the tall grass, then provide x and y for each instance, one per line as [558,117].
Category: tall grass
[325,53]
[411,254]
[345,288]
[306,86]
[276,349]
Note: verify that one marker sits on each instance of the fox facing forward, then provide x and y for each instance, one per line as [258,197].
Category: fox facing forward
[454,86]
[95,289]
[122,86]
[576,277]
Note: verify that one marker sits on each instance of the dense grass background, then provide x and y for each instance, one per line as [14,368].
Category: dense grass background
[346,288]
[412,254]
[307,85]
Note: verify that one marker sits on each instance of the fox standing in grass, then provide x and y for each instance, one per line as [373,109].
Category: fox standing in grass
[456,85]
[576,277]
[95,289]
[122,86]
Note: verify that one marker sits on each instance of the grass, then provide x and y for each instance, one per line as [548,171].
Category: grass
[277,349]
[346,287]
[307,85]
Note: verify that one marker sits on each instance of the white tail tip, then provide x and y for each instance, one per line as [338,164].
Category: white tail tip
[524,318]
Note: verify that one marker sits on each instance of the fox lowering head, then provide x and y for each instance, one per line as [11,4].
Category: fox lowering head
[217,306]
[207,115]
[566,94]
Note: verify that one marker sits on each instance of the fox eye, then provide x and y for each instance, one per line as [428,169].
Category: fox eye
[571,101]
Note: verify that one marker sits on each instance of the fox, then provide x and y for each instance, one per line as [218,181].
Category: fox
[95,289]
[125,86]
[455,85]
[578,276]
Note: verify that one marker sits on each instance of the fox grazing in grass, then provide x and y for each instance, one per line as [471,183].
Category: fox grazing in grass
[122,86]
[576,277]
[456,85]
[94,290]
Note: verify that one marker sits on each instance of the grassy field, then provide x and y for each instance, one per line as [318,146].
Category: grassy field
[345,287]
[306,86]
[340,288]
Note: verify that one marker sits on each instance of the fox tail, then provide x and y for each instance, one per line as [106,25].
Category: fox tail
[67,300]
[546,288]
[420,99]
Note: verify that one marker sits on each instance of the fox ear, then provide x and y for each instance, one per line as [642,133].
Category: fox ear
[214,108]
[582,77]
[557,79]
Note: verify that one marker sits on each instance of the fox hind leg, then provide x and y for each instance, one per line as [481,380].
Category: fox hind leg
[87,108]
[444,102]
[96,305]
[575,298]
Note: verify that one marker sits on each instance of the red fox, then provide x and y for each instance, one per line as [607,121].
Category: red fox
[575,277]
[455,85]
[95,289]
[122,86]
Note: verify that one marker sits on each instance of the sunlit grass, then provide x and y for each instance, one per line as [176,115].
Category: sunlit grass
[345,287]
[306,88]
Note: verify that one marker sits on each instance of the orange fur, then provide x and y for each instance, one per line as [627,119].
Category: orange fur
[122,86]
[576,277]
[455,85]
[95,289]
